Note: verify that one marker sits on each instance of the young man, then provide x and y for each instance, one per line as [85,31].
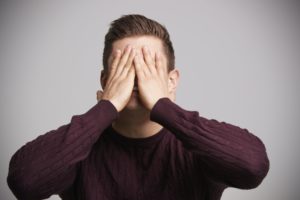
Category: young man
[136,142]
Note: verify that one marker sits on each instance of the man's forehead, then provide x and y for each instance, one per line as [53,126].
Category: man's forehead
[153,43]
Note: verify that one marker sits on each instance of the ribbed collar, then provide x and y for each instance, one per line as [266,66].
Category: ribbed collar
[142,142]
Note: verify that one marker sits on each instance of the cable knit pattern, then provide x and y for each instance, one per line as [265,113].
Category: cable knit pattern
[190,158]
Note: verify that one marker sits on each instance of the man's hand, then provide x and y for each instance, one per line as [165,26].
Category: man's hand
[120,82]
[152,77]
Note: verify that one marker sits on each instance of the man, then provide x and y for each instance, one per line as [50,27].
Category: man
[136,142]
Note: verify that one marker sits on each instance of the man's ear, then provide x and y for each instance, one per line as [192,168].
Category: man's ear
[173,80]
[103,78]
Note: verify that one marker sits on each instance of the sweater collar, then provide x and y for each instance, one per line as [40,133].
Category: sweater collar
[143,142]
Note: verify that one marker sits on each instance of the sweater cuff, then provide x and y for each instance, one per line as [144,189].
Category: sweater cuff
[109,108]
[164,111]
[104,111]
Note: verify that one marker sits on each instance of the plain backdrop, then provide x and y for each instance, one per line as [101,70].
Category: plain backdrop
[239,63]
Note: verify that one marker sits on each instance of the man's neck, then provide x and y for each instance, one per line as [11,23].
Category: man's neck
[136,124]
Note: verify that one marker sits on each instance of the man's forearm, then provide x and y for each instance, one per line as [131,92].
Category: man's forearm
[48,164]
[230,154]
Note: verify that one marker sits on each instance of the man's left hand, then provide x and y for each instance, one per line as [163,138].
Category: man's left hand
[152,77]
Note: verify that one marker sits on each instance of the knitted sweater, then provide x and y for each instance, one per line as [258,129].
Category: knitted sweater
[191,157]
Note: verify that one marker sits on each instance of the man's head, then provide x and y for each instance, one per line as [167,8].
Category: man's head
[139,31]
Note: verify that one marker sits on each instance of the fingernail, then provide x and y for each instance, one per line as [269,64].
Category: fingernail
[146,48]
[117,52]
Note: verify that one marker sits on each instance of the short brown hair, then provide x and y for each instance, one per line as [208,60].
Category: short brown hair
[137,25]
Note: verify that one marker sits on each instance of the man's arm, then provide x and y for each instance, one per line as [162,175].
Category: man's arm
[47,165]
[230,155]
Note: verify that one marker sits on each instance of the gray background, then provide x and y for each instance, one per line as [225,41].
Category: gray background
[239,63]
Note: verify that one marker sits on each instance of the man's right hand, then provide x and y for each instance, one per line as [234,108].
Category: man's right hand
[120,81]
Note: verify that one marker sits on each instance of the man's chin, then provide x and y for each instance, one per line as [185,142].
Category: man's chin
[134,104]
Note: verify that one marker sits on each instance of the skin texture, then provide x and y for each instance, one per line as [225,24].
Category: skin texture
[137,61]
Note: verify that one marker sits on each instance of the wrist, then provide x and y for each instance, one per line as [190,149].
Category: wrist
[155,102]
[117,107]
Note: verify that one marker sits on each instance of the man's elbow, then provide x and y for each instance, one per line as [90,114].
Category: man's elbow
[22,186]
[255,173]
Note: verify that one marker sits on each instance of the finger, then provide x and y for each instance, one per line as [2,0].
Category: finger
[158,63]
[129,62]
[113,67]
[131,75]
[138,66]
[143,65]
[123,60]
[130,78]
[148,59]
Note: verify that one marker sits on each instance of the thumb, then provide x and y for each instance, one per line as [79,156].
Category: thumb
[99,95]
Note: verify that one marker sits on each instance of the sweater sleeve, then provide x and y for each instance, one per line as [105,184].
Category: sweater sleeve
[47,165]
[230,155]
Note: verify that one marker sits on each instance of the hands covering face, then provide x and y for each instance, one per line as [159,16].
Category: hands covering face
[152,78]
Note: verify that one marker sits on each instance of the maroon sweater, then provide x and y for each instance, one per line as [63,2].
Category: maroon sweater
[190,158]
